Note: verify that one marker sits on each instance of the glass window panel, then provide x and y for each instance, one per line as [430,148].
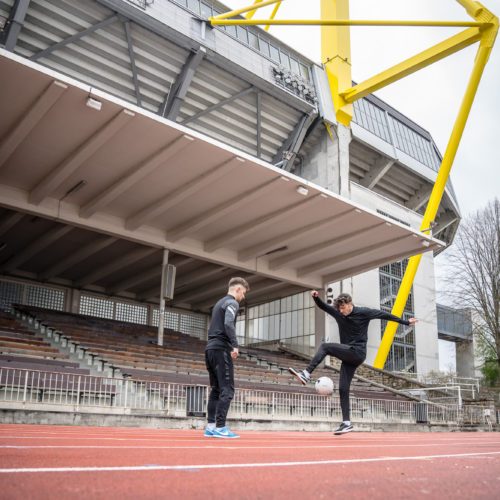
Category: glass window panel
[242,33]
[42,296]
[294,66]
[275,53]
[312,319]
[307,325]
[300,321]
[295,330]
[304,71]
[194,5]
[285,60]
[10,293]
[206,10]
[253,40]
[264,47]
[300,301]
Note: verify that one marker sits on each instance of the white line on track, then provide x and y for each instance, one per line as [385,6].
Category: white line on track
[234,447]
[238,466]
[247,437]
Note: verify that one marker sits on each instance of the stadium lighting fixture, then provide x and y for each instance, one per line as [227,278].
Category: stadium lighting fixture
[93,103]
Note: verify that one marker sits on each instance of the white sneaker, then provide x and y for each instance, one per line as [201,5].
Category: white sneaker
[303,377]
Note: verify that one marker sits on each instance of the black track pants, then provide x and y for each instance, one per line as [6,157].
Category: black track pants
[221,372]
[350,361]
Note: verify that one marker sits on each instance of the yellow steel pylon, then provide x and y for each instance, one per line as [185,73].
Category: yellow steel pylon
[335,44]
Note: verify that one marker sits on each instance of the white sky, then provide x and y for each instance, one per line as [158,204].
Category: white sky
[431,96]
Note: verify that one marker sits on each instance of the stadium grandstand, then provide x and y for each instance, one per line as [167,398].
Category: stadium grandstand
[147,156]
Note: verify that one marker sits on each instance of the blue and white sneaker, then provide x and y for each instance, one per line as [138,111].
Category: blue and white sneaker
[224,433]
[209,433]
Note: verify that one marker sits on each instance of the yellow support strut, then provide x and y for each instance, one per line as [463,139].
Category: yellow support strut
[336,57]
[237,12]
[251,13]
[216,20]
[482,56]
[273,15]
[335,45]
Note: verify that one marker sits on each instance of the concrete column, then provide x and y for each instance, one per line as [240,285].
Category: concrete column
[465,358]
[73,302]
[344,138]
[321,163]
[327,164]
[161,323]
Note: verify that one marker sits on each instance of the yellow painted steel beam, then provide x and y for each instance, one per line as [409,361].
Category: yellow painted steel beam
[273,15]
[483,53]
[251,13]
[238,12]
[472,7]
[413,64]
[218,20]
[336,56]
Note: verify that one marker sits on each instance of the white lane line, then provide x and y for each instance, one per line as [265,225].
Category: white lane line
[239,466]
[222,447]
[247,437]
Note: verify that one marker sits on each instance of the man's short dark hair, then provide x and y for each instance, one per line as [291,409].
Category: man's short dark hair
[239,281]
[342,299]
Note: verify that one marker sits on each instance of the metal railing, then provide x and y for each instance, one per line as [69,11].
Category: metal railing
[469,386]
[22,388]
[447,394]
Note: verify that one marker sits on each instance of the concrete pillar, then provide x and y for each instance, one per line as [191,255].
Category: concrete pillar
[73,301]
[465,358]
[344,138]
[161,323]
[327,163]
[321,163]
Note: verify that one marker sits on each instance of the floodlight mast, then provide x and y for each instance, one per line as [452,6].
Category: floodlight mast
[336,57]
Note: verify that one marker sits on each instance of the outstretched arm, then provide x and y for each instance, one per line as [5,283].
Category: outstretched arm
[325,307]
[377,314]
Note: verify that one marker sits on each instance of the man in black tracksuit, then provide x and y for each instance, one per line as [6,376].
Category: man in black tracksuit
[222,348]
[353,328]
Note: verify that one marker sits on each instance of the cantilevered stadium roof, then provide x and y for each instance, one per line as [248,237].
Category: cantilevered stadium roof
[90,162]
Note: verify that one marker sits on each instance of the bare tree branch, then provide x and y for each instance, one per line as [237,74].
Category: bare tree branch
[473,273]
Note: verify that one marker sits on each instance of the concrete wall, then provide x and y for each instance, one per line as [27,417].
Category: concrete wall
[321,164]
[465,359]
[426,333]
[96,419]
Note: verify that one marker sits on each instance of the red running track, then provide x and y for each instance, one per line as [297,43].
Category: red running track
[39,462]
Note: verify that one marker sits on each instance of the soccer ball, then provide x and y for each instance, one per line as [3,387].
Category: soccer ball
[324,386]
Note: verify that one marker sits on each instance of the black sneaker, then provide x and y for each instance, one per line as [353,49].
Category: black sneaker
[304,378]
[343,429]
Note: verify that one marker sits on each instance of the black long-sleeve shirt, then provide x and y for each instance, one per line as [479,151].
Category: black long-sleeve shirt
[222,330]
[353,328]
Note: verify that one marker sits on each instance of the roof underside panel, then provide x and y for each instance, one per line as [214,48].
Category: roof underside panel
[101,58]
[147,181]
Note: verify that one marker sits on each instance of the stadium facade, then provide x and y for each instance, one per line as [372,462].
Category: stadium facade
[243,88]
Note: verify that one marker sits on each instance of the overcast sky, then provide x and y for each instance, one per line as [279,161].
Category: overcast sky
[431,96]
